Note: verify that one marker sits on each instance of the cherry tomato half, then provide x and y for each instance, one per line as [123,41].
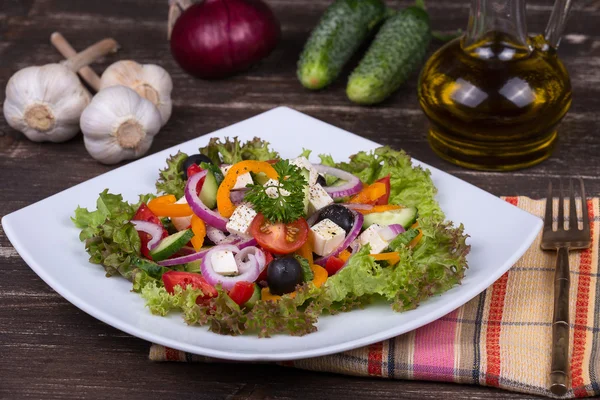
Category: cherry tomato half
[279,238]
[180,278]
[241,292]
[333,265]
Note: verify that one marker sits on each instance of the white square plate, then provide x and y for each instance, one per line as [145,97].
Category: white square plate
[500,234]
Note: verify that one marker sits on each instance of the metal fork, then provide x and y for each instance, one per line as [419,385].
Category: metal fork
[561,241]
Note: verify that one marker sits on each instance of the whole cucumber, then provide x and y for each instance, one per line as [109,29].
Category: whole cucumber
[342,29]
[398,49]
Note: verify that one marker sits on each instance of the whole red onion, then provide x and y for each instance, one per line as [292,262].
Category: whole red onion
[218,38]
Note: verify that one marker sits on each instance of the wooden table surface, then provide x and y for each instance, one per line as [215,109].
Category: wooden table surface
[52,350]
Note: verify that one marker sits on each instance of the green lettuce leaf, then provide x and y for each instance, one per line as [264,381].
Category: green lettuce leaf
[231,151]
[171,180]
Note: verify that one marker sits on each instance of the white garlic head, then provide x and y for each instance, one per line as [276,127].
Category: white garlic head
[119,125]
[45,102]
[150,81]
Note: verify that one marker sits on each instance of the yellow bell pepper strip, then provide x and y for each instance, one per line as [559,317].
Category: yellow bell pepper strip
[224,203]
[378,209]
[164,206]
[418,238]
[369,194]
[344,255]
[199,229]
[320,276]
[391,257]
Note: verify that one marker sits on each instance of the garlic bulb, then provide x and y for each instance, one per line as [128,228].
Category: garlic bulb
[45,102]
[119,125]
[149,81]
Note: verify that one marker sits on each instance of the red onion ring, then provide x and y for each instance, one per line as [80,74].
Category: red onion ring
[184,259]
[357,206]
[249,270]
[151,229]
[353,234]
[352,186]
[204,213]
[218,237]
[389,233]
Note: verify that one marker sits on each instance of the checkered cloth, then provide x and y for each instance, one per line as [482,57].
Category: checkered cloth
[501,338]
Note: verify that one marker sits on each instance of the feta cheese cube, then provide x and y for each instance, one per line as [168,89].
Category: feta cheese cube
[326,236]
[271,189]
[242,180]
[317,198]
[302,162]
[223,262]
[371,236]
[240,220]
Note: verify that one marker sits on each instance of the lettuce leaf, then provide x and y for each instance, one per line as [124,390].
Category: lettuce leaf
[110,239]
[171,180]
[231,151]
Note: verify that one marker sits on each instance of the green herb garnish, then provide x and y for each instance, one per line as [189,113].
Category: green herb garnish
[281,201]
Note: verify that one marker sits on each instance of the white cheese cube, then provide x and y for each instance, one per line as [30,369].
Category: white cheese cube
[302,162]
[223,262]
[272,191]
[317,198]
[181,223]
[326,237]
[242,180]
[240,220]
[371,236]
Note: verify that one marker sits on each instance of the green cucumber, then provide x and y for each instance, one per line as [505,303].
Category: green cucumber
[255,297]
[208,194]
[398,49]
[260,179]
[171,245]
[342,29]
[403,216]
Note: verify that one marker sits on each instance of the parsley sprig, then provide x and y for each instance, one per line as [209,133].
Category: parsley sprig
[282,201]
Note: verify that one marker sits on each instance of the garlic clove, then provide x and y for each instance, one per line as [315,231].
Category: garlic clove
[119,125]
[45,102]
[149,81]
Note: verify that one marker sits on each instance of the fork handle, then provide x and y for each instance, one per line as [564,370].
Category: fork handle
[560,324]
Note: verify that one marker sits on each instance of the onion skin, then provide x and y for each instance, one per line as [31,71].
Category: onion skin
[219,38]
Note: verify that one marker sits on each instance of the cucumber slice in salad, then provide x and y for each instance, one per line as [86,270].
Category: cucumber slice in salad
[208,194]
[171,245]
[404,216]
[255,297]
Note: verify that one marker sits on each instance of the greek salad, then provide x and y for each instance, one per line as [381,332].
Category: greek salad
[245,241]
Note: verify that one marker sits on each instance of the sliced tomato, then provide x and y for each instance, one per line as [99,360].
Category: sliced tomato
[383,200]
[279,238]
[143,213]
[241,292]
[193,170]
[333,265]
[180,278]
[263,274]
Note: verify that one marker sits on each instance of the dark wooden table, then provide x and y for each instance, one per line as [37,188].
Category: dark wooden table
[50,349]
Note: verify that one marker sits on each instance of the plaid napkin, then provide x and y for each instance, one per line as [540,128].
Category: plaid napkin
[501,338]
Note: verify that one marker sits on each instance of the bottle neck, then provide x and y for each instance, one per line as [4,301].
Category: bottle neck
[497,30]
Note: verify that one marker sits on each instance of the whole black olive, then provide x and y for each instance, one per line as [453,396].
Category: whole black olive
[194,159]
[339,215]
[284,274]
[321,180]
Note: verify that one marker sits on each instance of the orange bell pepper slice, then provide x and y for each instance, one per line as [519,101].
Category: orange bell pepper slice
[164,206]
[369,194]
[392,257]
[320,277]
[306,251]
[418,238]
[344,255]
[224,203]
[199,229]
[378,209]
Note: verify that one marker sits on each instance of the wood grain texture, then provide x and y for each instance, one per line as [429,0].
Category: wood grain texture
[52,350]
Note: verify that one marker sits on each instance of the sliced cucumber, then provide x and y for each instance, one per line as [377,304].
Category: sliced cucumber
[404,216]
[255,297]
[193,266]
[208,194]
[261,178]
[171,245]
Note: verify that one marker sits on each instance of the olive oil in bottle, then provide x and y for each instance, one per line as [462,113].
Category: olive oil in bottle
[495,97]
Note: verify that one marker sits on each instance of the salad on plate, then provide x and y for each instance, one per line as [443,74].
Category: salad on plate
[242,240]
